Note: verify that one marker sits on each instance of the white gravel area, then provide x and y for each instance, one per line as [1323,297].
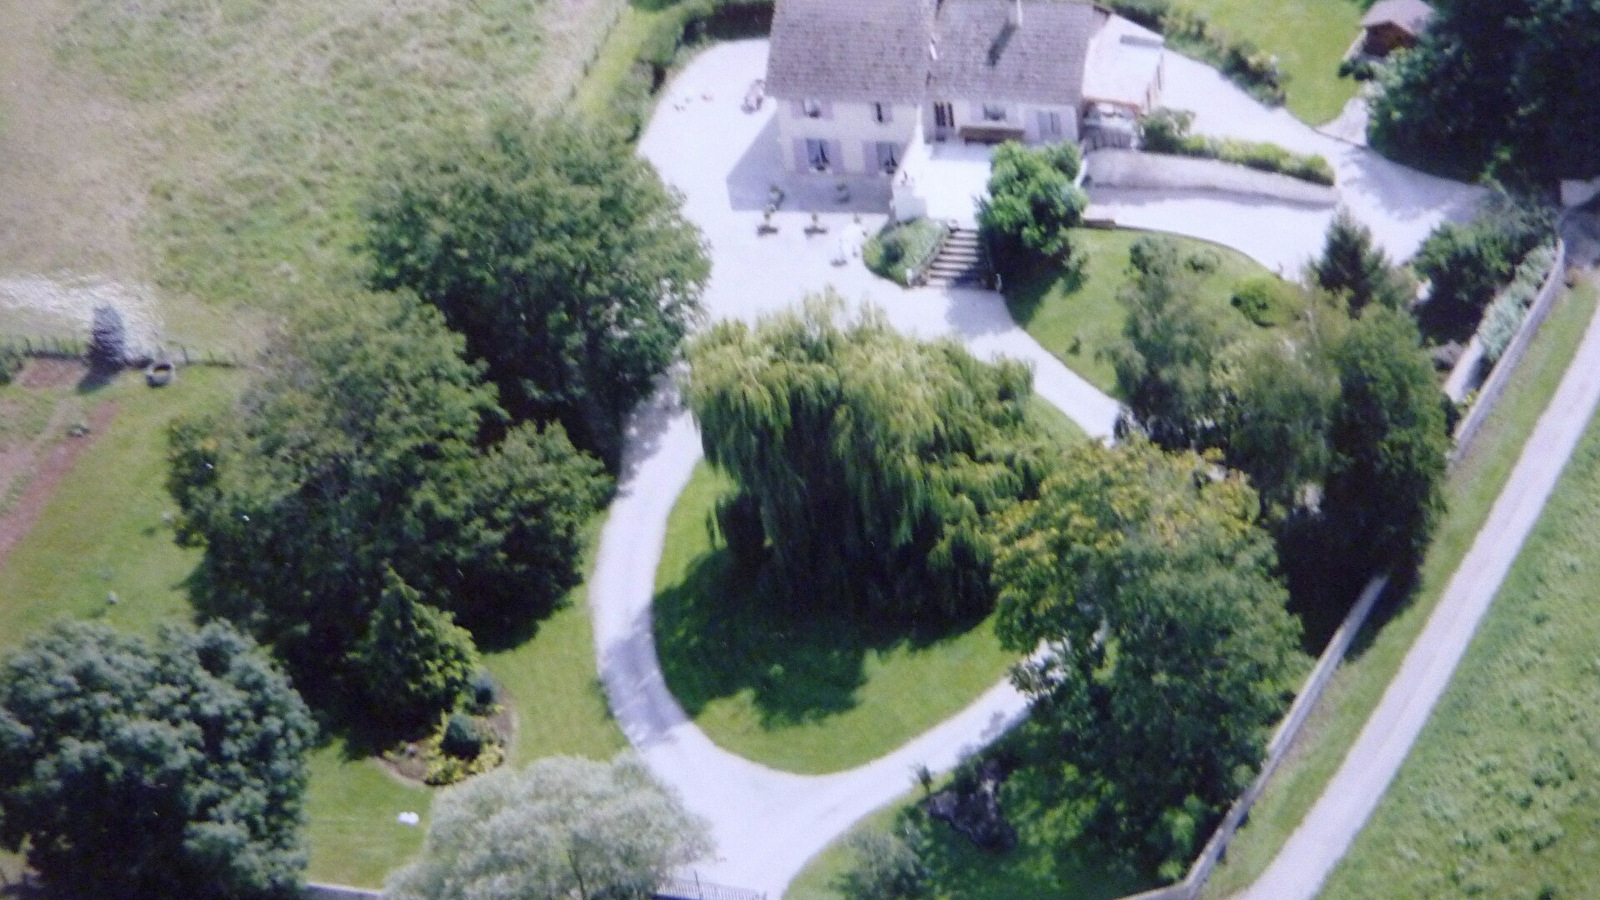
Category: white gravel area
[34,305]
[1400,205]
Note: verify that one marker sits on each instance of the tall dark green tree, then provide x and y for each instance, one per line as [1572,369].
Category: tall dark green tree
[1169,350]
[872,462]
[416,662]
[1167,648]
[137,769]
[1391,445]
[1351,267]
[359,453]
[1498,86]
[559,254]
[1274,426]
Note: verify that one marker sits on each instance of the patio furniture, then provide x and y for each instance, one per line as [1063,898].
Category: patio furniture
[754,97]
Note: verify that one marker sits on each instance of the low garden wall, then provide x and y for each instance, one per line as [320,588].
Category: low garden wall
[1162,171]
[1500,376]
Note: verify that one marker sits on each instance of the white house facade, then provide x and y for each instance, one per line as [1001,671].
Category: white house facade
[858,80]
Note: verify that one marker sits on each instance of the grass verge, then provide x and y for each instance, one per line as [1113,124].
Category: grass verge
[1077,318]
[1357,687]
[803,695]
[1496,798]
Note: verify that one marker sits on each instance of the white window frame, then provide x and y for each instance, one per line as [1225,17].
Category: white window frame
[994,112]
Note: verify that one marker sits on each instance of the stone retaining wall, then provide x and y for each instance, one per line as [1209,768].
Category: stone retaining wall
[1160,171]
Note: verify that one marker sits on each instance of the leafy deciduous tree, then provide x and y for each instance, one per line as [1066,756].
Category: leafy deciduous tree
[874,461]
[1165,645]
[136,769]
[562,829]
[1030,208]
[562,258]
[1390,446]
[359,454]
[1169,349]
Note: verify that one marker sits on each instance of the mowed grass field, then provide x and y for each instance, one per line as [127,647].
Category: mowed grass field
[1309,37]
[1077,319]
[1356,688]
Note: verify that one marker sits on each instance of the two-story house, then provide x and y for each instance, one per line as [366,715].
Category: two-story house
[856,80]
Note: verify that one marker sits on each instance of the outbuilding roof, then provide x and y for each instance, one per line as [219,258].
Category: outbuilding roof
[1412,15]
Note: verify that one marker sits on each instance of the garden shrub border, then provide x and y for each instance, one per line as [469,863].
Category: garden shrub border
[873,250]
[1166,130]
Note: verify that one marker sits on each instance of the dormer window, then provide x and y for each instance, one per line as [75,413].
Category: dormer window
[812,109]
[880,113]
[994,113]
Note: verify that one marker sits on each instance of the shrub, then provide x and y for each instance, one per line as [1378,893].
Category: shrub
[1468,263]
[1167,131]
[1505,314]
[11,360]
[901,246]
[463,739]
[1267,300]
[485,694]
[1203,261]
[887,867]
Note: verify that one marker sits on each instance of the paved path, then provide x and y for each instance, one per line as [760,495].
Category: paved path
[1400,205]
[1300,868]
[768,823]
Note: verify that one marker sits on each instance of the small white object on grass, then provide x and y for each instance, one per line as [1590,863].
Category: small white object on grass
[408,818]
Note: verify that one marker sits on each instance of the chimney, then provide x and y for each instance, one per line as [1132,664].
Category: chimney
[1016,13]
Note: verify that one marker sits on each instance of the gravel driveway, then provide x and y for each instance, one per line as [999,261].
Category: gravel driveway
[1400,205]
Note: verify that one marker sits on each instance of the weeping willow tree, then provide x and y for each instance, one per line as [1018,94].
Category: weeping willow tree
[868,465]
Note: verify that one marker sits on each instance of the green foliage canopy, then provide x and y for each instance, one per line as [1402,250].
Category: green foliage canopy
[414,659]
[1031,206]
[1353,268]
[562,829]
[359,454]
[1391,445]
[1503,87]
[1165,650]
[135,769]
[871,462]
[1170,346]
[561,257]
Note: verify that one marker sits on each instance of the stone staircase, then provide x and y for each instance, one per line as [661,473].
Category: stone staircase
[960,262]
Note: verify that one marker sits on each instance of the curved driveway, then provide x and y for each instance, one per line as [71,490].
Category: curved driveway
[768,823]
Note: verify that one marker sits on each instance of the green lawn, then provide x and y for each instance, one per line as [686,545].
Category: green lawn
[1078,318]
[960,871]
[1309,38]
[801,695]
[103,530]
[1497,798]
[1357,687]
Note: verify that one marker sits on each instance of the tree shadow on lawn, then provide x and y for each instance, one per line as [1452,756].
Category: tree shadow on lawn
[1025,295]
[720,631]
